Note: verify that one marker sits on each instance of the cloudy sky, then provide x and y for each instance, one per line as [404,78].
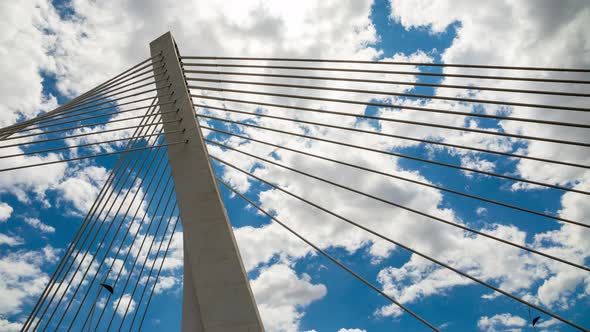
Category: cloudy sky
[53,51]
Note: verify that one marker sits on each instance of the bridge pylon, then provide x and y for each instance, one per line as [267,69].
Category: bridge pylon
[216,295]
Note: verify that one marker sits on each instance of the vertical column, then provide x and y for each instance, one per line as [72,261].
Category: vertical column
[216,294]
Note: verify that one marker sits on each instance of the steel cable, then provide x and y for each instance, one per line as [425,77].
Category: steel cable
[141,167]
[124,176]
[402,156]
[156,174]
[400,206]
[394,72]
[413,251]
[418,123]
[156,280]
[225,109]
[145,261]
[387,62]
[119,273]
[137,257]
[413,84]
[334,260]
[514,207]
[114,174]
[4,132]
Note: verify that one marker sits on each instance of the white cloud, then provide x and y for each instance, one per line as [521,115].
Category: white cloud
[544,324]
[101,302]
[501,322]
[125,300]
[10,240]
[22,279]
[477,164]
[559,30]
[82,187]
[30,182]
[25,47]
[174,259]
[38,224]
[414,280]
[5,211]
[567,241]
[281,296]
[167,282]
[141,248]
[247,27]
[481,211]
[329,231]
[260,245]
[351,330]
[8,326]
[83,184]
[510,268]
[557,39]
[116,265]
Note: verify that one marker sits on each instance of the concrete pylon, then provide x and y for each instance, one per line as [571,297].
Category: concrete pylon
[216,295]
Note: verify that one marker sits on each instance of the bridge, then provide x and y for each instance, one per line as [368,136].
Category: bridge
[172,118]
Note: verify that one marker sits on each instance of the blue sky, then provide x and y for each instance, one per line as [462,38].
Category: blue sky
[347,303]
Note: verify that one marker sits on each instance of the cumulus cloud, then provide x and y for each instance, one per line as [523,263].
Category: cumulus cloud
[10,241]
[477,164]
[501,322]
[282,295]
[5,211]
[8,326]
[127,304]
[29,185]
[29,47]
[481,211]
[505,30]
[22,279]
[545,325]
[38,224]
[83,184]
[166,283]
[82,188]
